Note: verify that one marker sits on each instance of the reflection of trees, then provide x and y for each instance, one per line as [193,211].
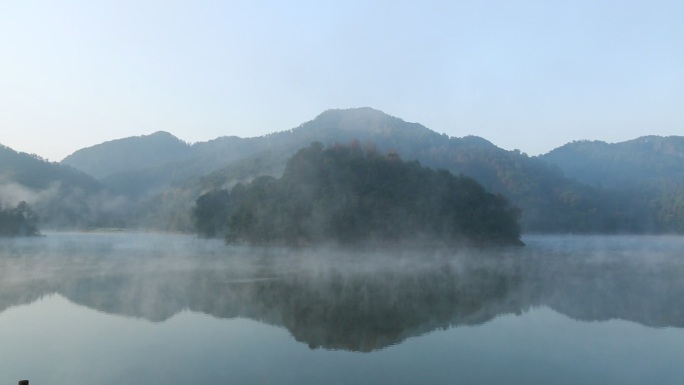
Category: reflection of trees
[356,305]
[362,302]
[367,311]
[332,308]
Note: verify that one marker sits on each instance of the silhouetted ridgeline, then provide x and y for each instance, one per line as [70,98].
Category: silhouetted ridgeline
[353,195]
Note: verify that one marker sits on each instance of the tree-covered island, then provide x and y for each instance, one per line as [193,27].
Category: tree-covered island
[353,194]
[18,221]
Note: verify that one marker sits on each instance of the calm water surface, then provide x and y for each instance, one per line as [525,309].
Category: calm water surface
[171,309]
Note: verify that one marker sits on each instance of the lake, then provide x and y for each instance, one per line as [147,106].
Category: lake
[123,308]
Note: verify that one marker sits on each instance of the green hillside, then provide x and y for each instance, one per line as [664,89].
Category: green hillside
[61,196]
[346,194]
[567,190]
[550,202]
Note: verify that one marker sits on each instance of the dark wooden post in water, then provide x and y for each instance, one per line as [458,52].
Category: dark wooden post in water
[23,382]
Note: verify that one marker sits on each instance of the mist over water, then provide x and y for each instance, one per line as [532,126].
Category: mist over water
[114,307]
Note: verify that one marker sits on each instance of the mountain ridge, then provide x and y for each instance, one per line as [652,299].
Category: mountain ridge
[124,154]
[542,189]
[61,195]
[163,175]
[621,164]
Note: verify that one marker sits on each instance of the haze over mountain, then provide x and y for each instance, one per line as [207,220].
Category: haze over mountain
[156,179]
[129,154]
[334,126]
[645,160]
[61,195]
[228,160]
[650,170]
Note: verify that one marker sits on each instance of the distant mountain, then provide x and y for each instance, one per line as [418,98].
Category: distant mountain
[164,175]
[60,195]
[129,154]
[550,201]
[632,163]
[648,171]
[35,173]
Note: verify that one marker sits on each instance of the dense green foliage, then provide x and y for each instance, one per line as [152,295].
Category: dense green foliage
[351,195]
[19,221]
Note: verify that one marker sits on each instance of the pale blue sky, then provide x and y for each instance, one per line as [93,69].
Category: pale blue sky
[530,75]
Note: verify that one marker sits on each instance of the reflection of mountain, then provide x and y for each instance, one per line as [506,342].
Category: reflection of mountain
[362,302]
[638,292]
[367,311]
[331,308]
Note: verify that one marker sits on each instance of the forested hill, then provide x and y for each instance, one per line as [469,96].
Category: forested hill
[618,165]
[350,195]
[647,173]
[163,156]
[60,196]
[129,154]
[550,201]
[33,172]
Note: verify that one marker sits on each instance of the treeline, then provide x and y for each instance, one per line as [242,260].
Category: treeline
[349,194]
[19,221]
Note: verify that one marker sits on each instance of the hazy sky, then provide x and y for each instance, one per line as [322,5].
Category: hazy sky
[531,75]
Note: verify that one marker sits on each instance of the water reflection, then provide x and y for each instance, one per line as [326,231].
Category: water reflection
[359,301]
